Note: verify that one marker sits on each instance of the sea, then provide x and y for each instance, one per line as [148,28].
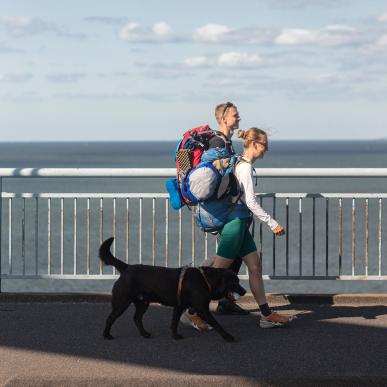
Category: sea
[281,154]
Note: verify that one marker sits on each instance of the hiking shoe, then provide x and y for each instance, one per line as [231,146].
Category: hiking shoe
[227,306]
[274,320]
[195,321]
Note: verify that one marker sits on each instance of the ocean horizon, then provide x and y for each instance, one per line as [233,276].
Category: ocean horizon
[148,154]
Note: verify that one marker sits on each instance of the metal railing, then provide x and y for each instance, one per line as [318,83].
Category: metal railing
[57,235]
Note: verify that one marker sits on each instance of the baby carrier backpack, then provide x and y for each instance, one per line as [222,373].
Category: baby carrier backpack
[204,177]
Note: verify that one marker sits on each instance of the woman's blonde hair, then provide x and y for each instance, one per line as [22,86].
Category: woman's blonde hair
[251,135]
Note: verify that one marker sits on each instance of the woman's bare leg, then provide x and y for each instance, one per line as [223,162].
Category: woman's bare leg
[253,262]
[221,263]
[208,262]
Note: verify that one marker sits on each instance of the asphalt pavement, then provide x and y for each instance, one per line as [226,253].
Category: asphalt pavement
[58,342]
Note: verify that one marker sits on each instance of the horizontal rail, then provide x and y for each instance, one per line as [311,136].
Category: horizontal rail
[136,195]
[241,276]
[170,172]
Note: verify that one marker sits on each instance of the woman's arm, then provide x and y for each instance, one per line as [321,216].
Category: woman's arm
[243,173]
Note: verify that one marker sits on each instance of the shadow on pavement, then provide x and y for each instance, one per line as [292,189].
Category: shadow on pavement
[324,342]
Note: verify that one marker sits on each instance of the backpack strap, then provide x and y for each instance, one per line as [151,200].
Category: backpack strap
[227,141]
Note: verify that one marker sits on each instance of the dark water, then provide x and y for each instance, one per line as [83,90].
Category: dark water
[292,154]
[282,154]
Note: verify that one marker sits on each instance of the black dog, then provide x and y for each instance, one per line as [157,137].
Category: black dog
[142,284]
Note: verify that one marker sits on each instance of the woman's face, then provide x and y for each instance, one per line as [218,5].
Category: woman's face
[259,147]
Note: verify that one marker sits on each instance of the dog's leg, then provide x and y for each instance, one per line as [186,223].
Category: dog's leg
[141,308]
[210,319]
[177,312]
[118,309]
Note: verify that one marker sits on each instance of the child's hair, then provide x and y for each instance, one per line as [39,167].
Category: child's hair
[250,135]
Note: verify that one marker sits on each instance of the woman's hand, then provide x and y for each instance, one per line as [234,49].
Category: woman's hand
[278,230]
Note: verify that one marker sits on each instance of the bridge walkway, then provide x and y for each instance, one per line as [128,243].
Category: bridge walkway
[56,340]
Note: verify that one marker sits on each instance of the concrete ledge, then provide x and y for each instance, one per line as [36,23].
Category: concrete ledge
[328,299]
[279,299]
[56,297]
[192,381]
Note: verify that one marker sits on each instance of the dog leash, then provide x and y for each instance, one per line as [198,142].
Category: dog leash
[205,279]
[180,283]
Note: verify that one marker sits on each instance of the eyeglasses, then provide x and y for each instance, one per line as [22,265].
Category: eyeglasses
[264,144]
[226,106]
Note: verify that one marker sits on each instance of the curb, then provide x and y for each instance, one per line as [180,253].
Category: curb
[287,299]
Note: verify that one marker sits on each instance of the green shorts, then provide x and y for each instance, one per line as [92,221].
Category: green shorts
[236,240]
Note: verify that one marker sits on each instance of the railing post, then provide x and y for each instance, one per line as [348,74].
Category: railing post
[1,226]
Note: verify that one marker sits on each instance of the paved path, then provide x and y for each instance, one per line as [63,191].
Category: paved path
[60,343]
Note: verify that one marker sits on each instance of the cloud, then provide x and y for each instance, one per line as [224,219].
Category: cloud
[383,17]
[319,85]
[160,70]
[160,32]
[332,35]
[238,59]
[106,20]
[15,77]
[231,59]
[380,44]
[382,41]
[218,33]
[198,61]
[375,50]
[16,25]
[212,33]
[20,26]
[115,95]
[4,49]
[298,4]
[168,74]
[25,96]
[65,77]
[215,82]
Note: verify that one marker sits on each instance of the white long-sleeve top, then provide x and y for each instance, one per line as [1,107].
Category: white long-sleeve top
[244,175]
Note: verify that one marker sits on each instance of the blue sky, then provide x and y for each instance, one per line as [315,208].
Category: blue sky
[149,70]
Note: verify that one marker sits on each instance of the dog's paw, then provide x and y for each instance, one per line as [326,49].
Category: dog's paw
[178,337]
[229,338]
[108,336]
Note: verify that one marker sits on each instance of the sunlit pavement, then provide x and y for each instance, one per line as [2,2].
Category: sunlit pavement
[58,341]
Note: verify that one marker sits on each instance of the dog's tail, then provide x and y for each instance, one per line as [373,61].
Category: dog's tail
[108,258]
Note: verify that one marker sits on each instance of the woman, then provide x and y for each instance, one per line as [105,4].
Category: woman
[235,238]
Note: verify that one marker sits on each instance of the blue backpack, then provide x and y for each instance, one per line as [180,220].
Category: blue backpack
[210,186]
[201,174]
[213,214]
[210,179]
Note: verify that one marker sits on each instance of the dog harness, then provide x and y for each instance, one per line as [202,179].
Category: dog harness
[181,278]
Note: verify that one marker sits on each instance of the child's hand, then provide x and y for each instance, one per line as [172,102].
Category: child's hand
[278,230]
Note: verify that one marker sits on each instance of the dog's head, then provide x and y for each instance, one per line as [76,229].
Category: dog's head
[223,281]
